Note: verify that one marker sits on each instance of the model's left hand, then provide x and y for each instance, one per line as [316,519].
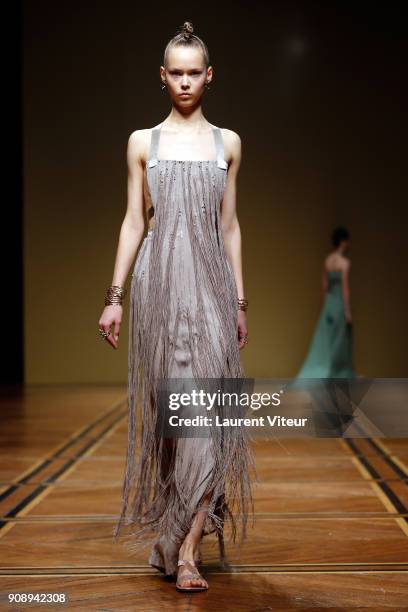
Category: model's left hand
[242,328]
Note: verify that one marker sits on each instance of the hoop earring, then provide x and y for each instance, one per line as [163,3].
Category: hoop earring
[164,86]
[207,86]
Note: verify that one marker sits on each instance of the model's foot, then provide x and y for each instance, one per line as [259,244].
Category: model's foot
[188,576]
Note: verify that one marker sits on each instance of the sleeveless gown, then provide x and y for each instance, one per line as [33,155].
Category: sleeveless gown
[182,324]
[330,351]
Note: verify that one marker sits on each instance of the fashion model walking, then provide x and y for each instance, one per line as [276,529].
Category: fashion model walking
[330,350]
[187,320]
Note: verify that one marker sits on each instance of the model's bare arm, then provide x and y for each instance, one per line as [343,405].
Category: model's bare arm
[229,220]
[132,228]
[131,232]
[230,226]
[346,291]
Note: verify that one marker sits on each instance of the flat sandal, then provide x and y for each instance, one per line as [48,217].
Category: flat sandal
[163,553]
[193,574]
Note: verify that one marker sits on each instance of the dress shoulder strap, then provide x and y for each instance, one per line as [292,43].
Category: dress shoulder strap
[219,144]
[154,146]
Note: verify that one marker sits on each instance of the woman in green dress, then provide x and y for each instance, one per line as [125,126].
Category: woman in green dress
[330,351]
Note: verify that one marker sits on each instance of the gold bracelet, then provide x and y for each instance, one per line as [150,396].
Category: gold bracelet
[242,304]
[114,295]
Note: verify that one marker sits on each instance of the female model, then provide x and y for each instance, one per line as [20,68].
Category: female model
[187,318]
[330,352]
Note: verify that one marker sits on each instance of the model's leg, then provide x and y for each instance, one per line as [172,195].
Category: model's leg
[190,545]
[195,459]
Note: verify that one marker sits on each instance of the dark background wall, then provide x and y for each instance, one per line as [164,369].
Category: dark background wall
[316,93]
[11,252]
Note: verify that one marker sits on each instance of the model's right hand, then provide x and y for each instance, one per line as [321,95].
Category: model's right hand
[111,315]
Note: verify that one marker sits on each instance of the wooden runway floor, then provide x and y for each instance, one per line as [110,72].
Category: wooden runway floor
[330,532]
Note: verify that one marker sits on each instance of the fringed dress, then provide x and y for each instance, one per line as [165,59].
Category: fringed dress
[182,324]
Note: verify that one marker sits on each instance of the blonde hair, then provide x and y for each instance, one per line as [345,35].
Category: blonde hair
[186,37]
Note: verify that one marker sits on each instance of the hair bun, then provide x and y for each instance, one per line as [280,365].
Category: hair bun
[184,36]
[187,29]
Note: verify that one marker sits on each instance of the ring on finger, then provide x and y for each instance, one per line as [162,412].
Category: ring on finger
[103,333]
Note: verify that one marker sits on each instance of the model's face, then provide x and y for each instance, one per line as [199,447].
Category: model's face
[185,75]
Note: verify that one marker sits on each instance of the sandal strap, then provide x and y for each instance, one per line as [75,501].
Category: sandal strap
[189,576]
[191,572]
[186,562]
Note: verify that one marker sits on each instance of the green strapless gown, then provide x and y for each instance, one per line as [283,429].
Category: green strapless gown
[330,351]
